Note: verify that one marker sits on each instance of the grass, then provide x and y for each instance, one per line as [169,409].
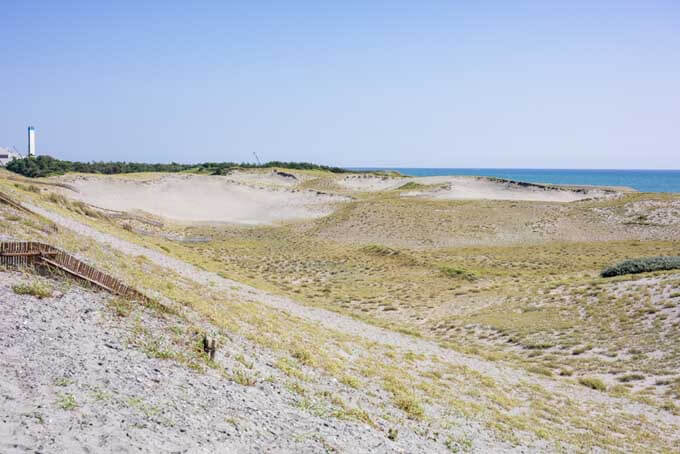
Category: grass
[122,307]
[243,378]
[631,377]
[593,383]
[355,414]
[34,288]
[74,205]
[412,186]
[460,273]
[67,401]
[410,404]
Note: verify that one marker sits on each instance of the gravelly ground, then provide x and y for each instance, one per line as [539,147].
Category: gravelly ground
[72,345]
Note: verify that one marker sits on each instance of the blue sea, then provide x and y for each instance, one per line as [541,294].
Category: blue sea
[642,180]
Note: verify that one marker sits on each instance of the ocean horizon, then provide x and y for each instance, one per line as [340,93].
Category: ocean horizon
[641,180]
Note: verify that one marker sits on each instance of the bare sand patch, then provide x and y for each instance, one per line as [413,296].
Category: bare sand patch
[372,183]
[472,187]
[459,188]
[198,198]
[268,177]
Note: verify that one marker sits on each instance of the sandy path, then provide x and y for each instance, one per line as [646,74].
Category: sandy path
[337,322]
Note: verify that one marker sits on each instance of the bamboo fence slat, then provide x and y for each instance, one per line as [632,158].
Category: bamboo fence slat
[24,253]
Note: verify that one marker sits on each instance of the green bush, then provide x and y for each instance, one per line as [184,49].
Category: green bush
[642,265]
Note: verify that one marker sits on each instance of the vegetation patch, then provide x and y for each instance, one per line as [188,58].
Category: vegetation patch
[376,249]
[411,186]
[67,402]
[45,166]
[33,288]
[458,273]
[642,265]
[593,383]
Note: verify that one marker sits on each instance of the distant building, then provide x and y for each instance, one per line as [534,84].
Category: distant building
[31,141]
[7,155]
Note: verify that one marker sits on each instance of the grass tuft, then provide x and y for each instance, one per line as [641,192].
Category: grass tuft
[33,288]
[593,383]
[458,273]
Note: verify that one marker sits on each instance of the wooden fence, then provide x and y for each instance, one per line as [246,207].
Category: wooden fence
[4,198]
[31,253]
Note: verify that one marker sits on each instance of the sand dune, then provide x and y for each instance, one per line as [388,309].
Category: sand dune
[194,198]
[257,197]
[471,187]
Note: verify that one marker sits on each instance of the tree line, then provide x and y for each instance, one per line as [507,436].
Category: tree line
[44,166]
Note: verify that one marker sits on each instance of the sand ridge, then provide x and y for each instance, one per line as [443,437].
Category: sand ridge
[474,188]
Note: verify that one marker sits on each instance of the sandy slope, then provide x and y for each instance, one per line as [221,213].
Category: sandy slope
[125,401]
[332,320]
[193,198]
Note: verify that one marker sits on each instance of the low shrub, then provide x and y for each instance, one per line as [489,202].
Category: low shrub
[642,265]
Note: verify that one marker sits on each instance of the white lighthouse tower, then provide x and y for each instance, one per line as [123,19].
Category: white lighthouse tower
[31,141]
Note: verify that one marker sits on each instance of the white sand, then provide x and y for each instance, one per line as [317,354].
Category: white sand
[194,198]
[372,183]
[471,187]
[268,178]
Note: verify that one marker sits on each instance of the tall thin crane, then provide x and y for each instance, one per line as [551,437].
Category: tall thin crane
[257,159]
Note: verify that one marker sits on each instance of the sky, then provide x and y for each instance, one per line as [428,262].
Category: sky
[521,84]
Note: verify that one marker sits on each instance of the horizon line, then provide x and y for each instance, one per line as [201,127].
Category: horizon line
[501,168]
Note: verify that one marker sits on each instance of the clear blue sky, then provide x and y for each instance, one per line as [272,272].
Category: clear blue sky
[431,84]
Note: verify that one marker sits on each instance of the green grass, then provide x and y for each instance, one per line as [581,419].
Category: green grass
[67,401]
[34,288]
